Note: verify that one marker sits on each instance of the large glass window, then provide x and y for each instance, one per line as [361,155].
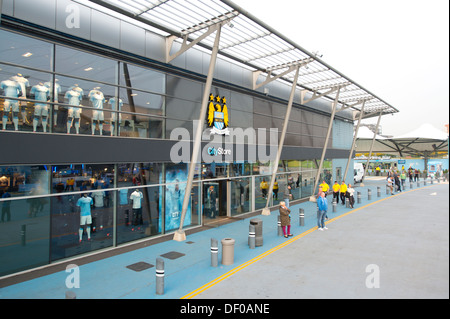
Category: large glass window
[25,51]
[84,65]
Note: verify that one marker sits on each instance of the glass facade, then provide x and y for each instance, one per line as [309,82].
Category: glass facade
[53,212]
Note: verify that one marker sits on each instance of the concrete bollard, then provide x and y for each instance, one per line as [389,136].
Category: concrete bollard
[388,191]
[159,276]
[410,185]
[418,183]
[227,251]
[369,194]
[347,202]
[258,223]
[214,252]
[358,197]
[251,236]
[431,181]
[280,230]
[301,217]
[334,206]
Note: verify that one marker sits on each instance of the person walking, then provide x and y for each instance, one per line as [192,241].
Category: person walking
[336,189]
[323,207]
[403,178]
[285,219]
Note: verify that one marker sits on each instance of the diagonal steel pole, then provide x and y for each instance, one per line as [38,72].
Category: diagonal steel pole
[371,148]
[330,126]
[266,210]
[354,140]
[180,234]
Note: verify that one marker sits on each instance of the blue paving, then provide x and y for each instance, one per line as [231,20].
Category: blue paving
[111,279]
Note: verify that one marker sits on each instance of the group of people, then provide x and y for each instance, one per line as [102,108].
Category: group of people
[396,181]
[341,191]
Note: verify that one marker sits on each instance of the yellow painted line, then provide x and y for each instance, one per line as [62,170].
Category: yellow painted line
[284,244]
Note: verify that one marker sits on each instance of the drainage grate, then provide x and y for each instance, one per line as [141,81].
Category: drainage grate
[140,266]
[172,255]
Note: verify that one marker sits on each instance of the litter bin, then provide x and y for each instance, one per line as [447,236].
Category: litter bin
[227,251]
[258,231]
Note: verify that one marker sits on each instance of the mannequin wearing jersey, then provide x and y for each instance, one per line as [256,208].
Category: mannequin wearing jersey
[54,90]
[97,99]
[12,89]
[41,93]
[85,203]
[116,105]
[74,97]
[23,82]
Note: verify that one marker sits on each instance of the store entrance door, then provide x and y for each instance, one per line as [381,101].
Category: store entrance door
[215,205]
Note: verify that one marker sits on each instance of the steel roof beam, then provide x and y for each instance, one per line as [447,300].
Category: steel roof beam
[291,67]
[212,25]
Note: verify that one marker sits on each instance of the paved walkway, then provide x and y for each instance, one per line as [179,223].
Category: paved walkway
[399,245]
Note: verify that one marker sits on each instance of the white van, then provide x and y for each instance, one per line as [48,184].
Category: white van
[358,172]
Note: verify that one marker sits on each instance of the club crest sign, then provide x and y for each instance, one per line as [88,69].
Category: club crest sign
[218,115]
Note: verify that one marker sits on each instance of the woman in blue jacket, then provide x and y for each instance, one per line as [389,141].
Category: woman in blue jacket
[323,207]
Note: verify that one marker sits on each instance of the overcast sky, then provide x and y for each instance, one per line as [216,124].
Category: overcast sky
[397,49]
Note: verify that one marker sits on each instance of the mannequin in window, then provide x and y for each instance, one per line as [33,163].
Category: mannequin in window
[74,97]
[23,82]
[116,105]
[97,99]
[11,89]
[85,203]
[54,90]
[41,93]
[136,198]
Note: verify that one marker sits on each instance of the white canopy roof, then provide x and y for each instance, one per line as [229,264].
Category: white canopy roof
[422,141]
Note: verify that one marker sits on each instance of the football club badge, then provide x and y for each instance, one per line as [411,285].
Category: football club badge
[218,115]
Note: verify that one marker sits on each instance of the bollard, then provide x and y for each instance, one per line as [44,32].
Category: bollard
[431,181]
[347,202]
[369,194]
[214,252]
[258,231]
[358,197]
[410,185]
[424,182]
[301,217]
[159,276]
[379,191]
[387,190]
[251,236]
[70,295]
[280,230]
[418,183]
[334,206]
[227,251]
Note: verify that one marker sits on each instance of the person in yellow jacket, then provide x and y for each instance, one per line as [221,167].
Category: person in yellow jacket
[325,187]
[336,189]
[343,191]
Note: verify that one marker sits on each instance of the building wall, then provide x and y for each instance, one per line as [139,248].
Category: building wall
[73,44]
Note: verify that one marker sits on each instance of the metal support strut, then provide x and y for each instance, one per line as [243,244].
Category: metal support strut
[180,234]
